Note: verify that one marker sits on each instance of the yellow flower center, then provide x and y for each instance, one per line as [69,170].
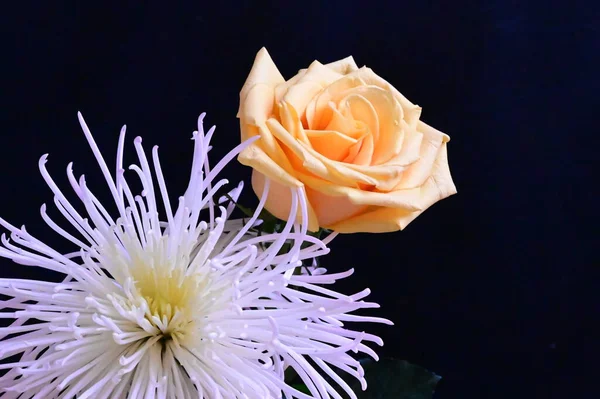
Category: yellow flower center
[170,298]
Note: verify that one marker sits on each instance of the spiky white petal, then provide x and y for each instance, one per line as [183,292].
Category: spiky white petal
[194,306]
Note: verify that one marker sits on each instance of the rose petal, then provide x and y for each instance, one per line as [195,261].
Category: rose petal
[387,176]
[352,153]
[329,209]
[348,126]
[319,111]
[331,144]
[282,88]
[311,83]
[389,138]
[411,146]
[383,178]
[381,220]
[291,122]
[269,145]
[255,157]
[257,108]
[343,66]
[420,170]
[437,187]
[264,72]
[355,106]
[407,199]
[316,163]
[365,153]
[412,112]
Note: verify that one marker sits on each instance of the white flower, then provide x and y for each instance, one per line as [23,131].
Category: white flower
[194,306]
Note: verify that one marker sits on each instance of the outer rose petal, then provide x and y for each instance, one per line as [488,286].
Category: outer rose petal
[437,187]
[343,66]
[264,73]
[311,83]
[331,209]
[256,105]
[412,112]
[407,199]
[256,158]
[282,88]
[279,200]
[419,171]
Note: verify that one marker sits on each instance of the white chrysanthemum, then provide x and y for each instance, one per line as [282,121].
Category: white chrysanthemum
[194,306]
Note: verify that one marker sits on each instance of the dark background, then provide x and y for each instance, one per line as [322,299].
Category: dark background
[495,288]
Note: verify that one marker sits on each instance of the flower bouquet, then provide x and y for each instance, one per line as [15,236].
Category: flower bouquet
[180,298]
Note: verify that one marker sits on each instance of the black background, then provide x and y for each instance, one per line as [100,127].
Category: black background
[495,288]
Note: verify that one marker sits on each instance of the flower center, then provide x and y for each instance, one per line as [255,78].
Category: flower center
[170,299]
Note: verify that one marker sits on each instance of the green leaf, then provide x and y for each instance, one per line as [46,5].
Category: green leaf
[301,387]
[396,379]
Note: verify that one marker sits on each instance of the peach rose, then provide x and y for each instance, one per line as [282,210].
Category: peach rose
[357,146]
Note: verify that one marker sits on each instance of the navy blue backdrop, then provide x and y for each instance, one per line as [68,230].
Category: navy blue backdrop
[495,288]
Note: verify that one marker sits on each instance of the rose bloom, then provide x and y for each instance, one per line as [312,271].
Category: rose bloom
[357,146]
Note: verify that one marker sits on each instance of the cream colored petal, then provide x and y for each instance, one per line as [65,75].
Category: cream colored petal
[268,144]
[411,146]
[384,177]
[330,209]
[256,158]
[316,78]
[343,66]
[412,112]
[381,220]
[282,88]
[316,163]
[389,135]
[341,173]
[309,162]
[263,72]
[291,122]
[365,153]
[419,171]
[387,176]
[348,126]
[257,107]
[331,144]
[319,111]
[357,107]
[406,199]
[353,152]
[279,200]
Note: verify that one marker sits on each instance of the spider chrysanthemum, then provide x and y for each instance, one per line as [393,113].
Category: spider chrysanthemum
[174,300]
